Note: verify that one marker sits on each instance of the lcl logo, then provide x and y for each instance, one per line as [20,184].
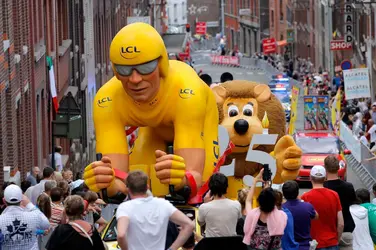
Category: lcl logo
[103,103]
[186,93]
[129,52]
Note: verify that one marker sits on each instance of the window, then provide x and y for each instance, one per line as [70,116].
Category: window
[169,15]
[175,11]
[323,15]
[183,10]
[281,17]
[40,18]
[289,16]
[272,17]
[244,41]
[232,38]
[254,8]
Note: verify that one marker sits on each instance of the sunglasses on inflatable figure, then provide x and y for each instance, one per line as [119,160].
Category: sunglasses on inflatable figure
[142,69]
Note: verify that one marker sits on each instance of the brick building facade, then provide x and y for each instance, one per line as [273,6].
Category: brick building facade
[280,20]
[204,11]
[76,34]
[242,25]
[16,89]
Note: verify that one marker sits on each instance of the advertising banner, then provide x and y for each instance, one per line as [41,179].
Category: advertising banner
[357,84]
[226,60]
[201,28]
[310,113]
[335,109]
[323,112]
[294,109]
[269,46]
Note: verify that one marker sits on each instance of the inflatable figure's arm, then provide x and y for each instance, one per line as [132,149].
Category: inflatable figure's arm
[288,157]
[189,135]
[111,142]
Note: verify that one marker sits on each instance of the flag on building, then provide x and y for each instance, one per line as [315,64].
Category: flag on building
[52,83]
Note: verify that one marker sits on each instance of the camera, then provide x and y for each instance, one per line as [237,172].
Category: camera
[267,175]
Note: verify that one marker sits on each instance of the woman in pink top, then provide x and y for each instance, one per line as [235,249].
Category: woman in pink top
[265,225]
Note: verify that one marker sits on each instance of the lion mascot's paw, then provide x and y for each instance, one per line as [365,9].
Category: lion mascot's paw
[288,157]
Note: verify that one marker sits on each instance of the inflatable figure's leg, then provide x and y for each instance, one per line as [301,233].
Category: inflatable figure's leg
[142,157]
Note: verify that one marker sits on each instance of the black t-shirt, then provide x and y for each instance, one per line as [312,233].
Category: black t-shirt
[65,237]
[240,226]
[347,196]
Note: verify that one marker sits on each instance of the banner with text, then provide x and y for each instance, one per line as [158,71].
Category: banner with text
[310,113]
[226,60]
[335,109]
[323,112]
[357,84]
[294,109]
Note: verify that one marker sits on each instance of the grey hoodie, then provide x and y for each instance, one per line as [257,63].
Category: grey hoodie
[361,236]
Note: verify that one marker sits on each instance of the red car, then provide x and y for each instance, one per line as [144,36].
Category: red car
[316,146]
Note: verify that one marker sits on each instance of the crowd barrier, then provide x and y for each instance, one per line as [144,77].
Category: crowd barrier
[351,142]
[225,60]
[365,170]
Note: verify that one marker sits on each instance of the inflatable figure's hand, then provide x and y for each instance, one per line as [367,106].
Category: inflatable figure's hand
[170,169]
[288,156]
[100,175]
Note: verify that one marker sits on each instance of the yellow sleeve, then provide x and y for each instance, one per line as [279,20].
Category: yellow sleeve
[190,117]
[109,129]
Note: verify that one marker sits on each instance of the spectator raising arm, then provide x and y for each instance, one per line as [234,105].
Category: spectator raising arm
[249,200]
[187,226]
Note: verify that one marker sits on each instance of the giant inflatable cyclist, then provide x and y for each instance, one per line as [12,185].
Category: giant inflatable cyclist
[168,102]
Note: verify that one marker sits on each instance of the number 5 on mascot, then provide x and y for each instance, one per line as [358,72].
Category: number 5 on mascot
[168,102]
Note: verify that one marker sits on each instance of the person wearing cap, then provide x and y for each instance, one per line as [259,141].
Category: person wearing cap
[347,196]
[327,229]
[20,221]
[169,102]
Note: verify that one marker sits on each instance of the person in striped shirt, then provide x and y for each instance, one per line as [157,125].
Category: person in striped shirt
[57,208]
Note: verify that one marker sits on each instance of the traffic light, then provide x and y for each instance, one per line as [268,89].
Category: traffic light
[188,28]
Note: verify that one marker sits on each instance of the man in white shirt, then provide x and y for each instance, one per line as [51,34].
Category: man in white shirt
[219,214]
[372,133]
[15,176]
[48,175]
[58,161]
[20,220]
[142,221]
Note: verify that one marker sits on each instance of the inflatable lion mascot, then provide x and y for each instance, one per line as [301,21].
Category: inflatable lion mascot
[242,106]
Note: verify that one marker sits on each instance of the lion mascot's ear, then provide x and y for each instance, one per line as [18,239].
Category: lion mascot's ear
[262,92]
[220,93]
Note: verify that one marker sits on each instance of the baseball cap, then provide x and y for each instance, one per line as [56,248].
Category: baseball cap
[318,171]
[13,194]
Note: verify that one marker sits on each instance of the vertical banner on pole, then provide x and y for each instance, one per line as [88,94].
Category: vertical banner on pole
[336,113]
[323,112]
[294,109]
[310,113]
